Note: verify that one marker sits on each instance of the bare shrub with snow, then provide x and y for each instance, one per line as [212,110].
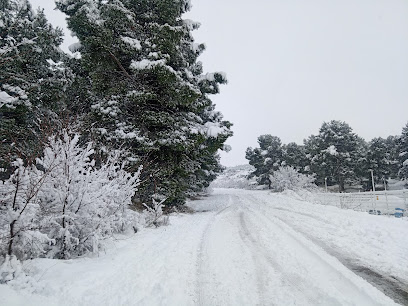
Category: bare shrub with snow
[82,203]
[153,215]
[288,178]
[20,212]
[63,206]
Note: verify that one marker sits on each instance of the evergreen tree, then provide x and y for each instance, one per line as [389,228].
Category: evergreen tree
[362,165]
[148,92]
[266,159]
[333,153]
[403,153]
[294,156]
[381,159]
[32,79]
[379,155]
[392,146]
[312,148]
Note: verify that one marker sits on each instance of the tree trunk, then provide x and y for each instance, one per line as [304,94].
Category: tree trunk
[341,184]
[10,246]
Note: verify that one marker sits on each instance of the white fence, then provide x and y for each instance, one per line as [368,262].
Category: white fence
[384,202]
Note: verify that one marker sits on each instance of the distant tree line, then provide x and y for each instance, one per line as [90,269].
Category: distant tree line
[336,155]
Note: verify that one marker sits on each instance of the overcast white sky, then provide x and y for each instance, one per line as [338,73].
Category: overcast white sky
[292,64]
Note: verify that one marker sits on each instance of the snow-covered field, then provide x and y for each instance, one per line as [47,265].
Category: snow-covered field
[243,247]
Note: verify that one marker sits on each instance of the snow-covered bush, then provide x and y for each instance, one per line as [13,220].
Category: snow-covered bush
[13,273]
[20,212]
[64,205]
[288,178]
[153,215]
[10,268]
[80,203]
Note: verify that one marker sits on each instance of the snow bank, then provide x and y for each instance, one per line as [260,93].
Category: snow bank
[153,267]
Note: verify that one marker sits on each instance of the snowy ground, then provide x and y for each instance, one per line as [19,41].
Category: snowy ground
[242,248]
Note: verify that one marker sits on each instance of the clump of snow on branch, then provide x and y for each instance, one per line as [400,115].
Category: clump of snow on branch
[75,47]
[210,129]
[191,25]
[134,43]
[214,129]
[18,97]
[288,178]
[332,150]
[146,64]
[212,76]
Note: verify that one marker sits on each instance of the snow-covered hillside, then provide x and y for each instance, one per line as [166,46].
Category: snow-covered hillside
[242,247]
[235,177]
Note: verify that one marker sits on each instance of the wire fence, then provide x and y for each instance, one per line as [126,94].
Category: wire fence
[378,202]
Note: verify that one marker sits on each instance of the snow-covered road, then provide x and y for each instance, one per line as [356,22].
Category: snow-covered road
[249,256]
[242,248]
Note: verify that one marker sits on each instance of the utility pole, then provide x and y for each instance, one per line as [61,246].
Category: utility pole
[325,183]
[386,197]
[372,180]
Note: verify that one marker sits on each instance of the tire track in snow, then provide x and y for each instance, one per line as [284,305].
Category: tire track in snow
[204,280]
[263,259]
[253,245]
[305,247]
[390,286]
[266,204]
[394,288]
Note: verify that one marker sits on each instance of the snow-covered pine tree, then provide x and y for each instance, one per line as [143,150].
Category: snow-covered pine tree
[311,149]
[333,153]
[403,153]
[149,93]
[379,158]
[210,134]
[32,79]
[294,156]
[361,165]
[392,145]
[266,159]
